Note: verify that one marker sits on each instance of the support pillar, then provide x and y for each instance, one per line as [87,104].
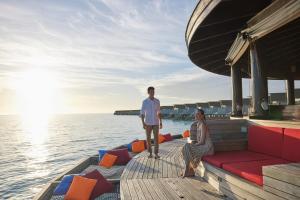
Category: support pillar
[237,96]
[290,91]
[258,85]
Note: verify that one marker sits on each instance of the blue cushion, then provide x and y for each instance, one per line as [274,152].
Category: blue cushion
[101,153]
[63,187]
[129,147]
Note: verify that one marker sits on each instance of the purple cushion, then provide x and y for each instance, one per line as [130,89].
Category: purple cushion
[122,154]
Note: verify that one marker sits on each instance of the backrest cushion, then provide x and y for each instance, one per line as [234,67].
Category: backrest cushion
[264,139]
[63,187]
[161,139]
[122,154]
[138,146]
[186,134]
[108,160]
[168,137]
[291,144]
[81,188]
[129,146]
[102,186]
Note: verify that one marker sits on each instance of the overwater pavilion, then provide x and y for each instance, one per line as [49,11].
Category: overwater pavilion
[257,39]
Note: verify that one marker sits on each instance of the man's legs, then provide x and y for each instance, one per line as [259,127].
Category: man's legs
[155,133]
[148,134]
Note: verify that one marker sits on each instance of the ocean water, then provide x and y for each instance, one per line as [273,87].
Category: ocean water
[32,152]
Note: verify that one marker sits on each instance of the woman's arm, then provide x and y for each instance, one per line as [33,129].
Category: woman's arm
[193,132]
[202,136]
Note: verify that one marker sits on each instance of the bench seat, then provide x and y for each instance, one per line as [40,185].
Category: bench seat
[252,170]
[266,146]
[227,157]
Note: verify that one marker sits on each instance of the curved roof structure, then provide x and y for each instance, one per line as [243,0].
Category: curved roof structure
[218,30]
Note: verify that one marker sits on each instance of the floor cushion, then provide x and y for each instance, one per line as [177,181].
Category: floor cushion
[129,146]
[102,186]
[114,195]
[122,154]
[63,187]
[168,137]
[114,172]
[108,160]
[186,134]
[251,170]
[220,158]
[291,145]
[81,188]
[267,140]
[138,146]
[161,138]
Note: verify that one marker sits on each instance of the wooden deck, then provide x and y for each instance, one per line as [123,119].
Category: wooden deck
[148,178]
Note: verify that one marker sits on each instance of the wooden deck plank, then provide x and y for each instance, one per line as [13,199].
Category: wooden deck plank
[155,189]
[165,189]
[160,168]
[145,174]
[127,169]
[132,169]
[140,193]
[158,179]
[145,190]
[141,171]
[132,190]
[165,168]
[155,168]
[189,191]
[152,191]
[151,168]
[203,189]
[124,190]
[138,169]
[174,165]
[176,188]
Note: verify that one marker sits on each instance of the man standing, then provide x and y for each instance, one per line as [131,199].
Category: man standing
[151,119]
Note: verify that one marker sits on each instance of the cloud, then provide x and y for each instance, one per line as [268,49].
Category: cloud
[103,45]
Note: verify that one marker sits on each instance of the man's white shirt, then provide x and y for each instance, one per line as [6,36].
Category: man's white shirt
[151,110]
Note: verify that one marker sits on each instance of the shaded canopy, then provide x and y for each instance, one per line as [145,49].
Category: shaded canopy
[215,26]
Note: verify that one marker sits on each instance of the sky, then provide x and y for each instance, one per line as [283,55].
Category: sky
[97,56]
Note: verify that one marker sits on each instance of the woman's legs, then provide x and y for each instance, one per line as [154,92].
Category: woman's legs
[188,171]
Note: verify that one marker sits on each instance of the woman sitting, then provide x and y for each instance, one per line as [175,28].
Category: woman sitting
[200,144]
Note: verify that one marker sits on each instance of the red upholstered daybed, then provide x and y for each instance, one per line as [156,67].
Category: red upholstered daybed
[266,146]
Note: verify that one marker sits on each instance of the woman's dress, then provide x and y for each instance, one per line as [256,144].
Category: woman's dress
[193,152]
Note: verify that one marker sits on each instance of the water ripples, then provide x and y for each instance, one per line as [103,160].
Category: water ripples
[29,160]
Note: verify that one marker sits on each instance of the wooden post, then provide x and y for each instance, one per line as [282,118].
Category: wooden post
[237,96]
[290,91]
[258,84]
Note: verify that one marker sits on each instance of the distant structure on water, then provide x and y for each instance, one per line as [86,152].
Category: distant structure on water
[215,109]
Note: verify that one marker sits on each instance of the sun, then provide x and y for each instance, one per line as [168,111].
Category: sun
[37,97]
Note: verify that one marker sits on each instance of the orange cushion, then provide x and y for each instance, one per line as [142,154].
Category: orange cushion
[108,160]
[81,188]
[186,134]
[138,146]
[161,138]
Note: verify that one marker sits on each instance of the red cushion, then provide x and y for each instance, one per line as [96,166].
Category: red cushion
[168,137]
[291,144]
[263,139]
[102,186]
[252,170]
[123,156]
[219,158]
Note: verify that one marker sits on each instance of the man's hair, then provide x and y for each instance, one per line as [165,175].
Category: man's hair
[150,88]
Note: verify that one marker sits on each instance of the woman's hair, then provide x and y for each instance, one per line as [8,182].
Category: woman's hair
[201,111]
